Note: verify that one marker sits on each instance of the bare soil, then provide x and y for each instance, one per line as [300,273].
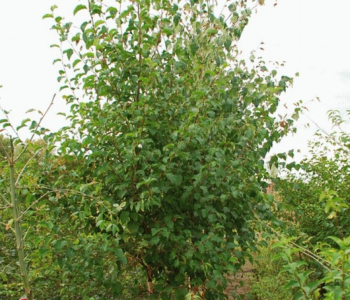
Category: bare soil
[240,283]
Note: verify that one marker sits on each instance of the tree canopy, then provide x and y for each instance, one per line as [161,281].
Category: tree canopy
[171,130]
[162,164]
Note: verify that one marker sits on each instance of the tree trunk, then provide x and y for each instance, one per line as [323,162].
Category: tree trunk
[18,229]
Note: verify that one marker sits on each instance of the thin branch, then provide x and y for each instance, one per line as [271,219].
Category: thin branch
[35,202]
[4,268]
[37,126]
[3,198]
[24,237]
[140,53]
[5,150]
[8,121]
[328,135]
[318,126]
[2,223]
[223,7]
[25,166]
[320,260]
[82,194]
[312,255]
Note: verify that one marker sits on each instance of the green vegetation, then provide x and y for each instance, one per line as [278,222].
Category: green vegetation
[313,203]
[157,187]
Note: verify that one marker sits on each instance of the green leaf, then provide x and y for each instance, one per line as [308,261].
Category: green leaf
[89,54]
[47,16]
[228,44]
[33,125]
[59,245]
[69,53]
[154,231]
[124,217]
[23,123]
[155,240]
[177,19]
[174,179]
[99,22]
[76,62]
[79,8]
[118,288]
[211,31]
[56,60]
[299,296]
[133,227]
[100,223]
[120,256]
[232,7]
[312,286]
[112,10]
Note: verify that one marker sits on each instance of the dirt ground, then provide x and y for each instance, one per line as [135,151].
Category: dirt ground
[244,276]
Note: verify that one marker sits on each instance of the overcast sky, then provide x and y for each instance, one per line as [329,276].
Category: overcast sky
[312,36]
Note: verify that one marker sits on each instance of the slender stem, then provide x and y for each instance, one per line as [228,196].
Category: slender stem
[6,226]
[11,126]
[2,145]
[140,52]
[343,275]
[321,261]
[298,278]
[25,166]
[4,199]
[35,202]
[34,132]
[18,229]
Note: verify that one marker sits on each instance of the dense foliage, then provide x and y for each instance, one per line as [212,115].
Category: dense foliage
[171,132]
[150,190]
[318,194]
[315,247]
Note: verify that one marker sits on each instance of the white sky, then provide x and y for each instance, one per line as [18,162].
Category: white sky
[312,36]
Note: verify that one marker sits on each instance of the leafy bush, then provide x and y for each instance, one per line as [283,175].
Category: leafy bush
[334,281]
[321,186]
[156,178]
[269,282]
[171,130]
[320,197]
